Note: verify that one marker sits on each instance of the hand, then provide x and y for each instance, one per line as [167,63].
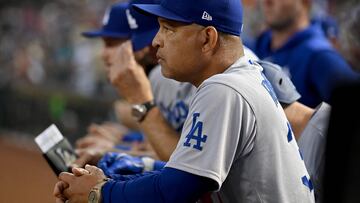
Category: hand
[58,190]
[89,156]
[75,187]
[129,77]
[124,164]
[91,141]
[106,135]
[92,155]
[123,114]
[109,130]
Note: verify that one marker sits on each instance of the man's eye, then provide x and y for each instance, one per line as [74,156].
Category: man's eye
[166,28]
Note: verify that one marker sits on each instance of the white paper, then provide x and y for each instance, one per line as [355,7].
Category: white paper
[49,138]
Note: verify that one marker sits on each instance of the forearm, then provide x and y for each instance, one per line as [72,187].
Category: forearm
[123,114]
[162,137]
[169,185]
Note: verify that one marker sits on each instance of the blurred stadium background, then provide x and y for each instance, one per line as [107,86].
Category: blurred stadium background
[49,74]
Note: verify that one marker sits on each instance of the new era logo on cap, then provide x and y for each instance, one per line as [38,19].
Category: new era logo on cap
[206,16]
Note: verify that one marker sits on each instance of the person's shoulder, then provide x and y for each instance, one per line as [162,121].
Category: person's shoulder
[243,74]
[316,40]
[332,60]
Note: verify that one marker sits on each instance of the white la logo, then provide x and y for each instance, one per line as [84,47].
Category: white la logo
[206,16]
[131,20]
[105,19]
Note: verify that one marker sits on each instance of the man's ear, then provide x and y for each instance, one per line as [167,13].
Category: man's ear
[210,38]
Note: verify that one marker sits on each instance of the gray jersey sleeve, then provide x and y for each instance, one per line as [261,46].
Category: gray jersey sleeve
[312,145]
[212,136]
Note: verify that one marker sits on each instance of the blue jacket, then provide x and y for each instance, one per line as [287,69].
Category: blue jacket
[313,65]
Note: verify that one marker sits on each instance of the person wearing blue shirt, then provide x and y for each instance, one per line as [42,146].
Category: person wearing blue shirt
[303,50]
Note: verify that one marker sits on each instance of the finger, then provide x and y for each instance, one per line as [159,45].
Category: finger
[125,53]
[94,170]
[66,177]
[103,132]
[59,188]
[79,171]
[81,152]
[92,128]
[60,200]
[127,48]
[67,194]
[86,142]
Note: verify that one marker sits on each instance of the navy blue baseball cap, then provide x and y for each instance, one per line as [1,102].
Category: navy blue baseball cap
[144,28]
[115,23]
[224,15]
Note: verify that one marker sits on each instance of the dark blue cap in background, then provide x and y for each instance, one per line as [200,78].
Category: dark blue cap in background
[224,15]
[114,23]
[144,28]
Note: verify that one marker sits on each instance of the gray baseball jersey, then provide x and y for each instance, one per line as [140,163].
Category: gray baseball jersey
[237,134]
[312,145]
[173,97]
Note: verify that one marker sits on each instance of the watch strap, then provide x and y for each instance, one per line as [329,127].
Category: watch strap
[148,105]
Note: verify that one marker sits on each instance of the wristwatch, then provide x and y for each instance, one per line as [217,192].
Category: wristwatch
[95,193]
[139,111]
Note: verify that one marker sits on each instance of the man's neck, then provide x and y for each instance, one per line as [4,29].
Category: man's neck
[221,61]
[280,37]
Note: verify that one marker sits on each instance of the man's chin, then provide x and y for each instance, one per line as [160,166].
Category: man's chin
[164,72]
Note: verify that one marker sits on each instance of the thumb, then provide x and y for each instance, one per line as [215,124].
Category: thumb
[93,169]
[127,47]
[79,171]
[126,52]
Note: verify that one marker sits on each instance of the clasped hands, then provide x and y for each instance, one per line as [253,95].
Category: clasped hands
[75,187]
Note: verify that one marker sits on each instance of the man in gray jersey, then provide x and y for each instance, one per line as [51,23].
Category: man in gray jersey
[171,97]
[236,136]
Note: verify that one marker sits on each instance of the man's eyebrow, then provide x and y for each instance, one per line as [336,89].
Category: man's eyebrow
[172,23]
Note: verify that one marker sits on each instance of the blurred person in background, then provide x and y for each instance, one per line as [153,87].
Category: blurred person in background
[253,24]
[110,136]
[349,21]
[302,50]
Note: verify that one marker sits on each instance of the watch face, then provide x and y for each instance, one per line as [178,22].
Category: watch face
[138,111]
[93,198]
